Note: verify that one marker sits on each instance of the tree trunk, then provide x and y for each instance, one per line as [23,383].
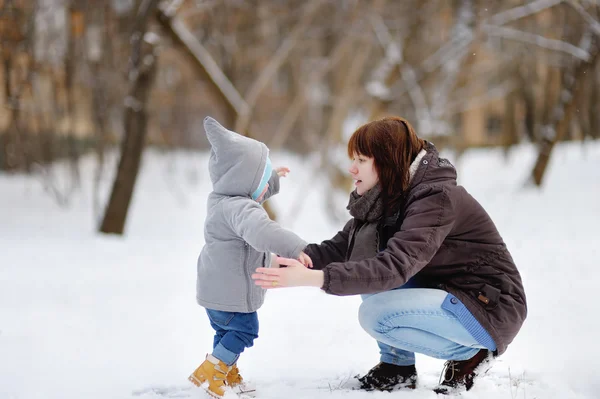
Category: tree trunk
[583,104]
[141,72]
[75,35]
[7,137]
[510,135]
[594,111]
[529,101]
[563,112]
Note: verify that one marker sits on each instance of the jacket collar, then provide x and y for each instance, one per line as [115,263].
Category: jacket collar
[414,166]
[431,168]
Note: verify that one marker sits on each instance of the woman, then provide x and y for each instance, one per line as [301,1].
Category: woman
[441,279]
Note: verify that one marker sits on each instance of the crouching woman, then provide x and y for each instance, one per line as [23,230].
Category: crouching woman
[435,275]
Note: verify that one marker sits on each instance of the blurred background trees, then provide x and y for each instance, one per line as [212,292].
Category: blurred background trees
[86,76]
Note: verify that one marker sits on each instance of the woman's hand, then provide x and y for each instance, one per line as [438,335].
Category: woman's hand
[282,171]
[294,275]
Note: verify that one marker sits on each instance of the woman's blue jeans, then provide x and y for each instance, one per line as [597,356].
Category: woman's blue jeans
[405,321]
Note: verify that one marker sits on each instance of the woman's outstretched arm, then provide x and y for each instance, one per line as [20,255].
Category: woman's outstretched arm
[294,275]
[429,219]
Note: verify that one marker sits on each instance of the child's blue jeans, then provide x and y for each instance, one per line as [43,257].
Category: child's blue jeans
[234,332]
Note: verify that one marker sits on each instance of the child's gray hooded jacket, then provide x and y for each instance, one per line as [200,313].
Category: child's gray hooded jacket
[239,235]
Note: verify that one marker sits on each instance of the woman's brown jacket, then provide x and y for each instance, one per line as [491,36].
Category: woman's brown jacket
[444,239]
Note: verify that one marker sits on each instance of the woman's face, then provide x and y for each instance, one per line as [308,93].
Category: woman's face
[363,172]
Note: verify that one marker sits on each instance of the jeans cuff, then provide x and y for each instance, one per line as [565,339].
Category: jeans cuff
[391,359]
[225,355]
[466,355]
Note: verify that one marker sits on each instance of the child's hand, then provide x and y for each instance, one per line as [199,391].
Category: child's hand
[305,260]
[282,171]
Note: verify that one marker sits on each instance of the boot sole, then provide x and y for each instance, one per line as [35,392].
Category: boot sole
[192,378]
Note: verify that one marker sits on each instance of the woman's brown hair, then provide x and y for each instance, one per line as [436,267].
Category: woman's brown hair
[394,145]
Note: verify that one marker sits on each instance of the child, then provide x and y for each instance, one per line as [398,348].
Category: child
[239,237]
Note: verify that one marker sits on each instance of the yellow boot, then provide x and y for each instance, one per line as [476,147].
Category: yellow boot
[234,378]
[213,371]
[237,383]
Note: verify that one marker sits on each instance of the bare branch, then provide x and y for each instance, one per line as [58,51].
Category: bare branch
[381,31]
[418,99]
[199,8]
[448,52]
[466,102]
[522,11]
[526,37]
[202,55]
[172,8]
[295,109]
[274,64]
[565,106]
[378,87]
[463,27]
[594,24]
[343,101]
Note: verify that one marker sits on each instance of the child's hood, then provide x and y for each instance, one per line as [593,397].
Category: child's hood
[236,162]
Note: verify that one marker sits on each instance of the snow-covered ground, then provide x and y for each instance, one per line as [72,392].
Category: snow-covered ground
[90,316]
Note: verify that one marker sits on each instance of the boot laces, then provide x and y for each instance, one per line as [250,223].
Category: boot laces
[450,368]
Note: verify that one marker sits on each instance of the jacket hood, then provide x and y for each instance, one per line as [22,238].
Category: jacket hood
[431,169]
[236,163]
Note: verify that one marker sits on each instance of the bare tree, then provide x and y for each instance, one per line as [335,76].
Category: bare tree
[294,74]
[573,87]
[142,68]
[274,63]
[15,42]
[221,86]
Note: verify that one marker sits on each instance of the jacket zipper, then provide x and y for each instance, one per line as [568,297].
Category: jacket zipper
[351,236]
[246,273]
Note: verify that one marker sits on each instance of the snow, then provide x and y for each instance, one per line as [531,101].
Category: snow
[90,316]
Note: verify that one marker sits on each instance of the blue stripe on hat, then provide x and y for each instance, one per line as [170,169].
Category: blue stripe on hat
[265,179]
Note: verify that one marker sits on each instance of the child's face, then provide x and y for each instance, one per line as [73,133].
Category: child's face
[262,194]
[363,172]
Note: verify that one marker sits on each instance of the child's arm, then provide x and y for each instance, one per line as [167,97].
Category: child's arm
[251,222]
[274,181]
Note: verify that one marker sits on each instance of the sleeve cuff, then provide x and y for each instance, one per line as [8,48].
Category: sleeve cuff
[326,280]
[299,248]
[274,181]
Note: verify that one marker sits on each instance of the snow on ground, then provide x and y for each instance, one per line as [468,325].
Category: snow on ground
[90,316]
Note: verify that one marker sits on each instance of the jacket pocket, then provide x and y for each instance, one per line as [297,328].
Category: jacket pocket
[489,296]
[219,317]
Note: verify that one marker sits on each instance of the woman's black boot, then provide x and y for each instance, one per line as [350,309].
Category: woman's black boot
[389,377]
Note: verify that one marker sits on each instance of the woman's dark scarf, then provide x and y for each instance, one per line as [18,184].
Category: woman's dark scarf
[366,209]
